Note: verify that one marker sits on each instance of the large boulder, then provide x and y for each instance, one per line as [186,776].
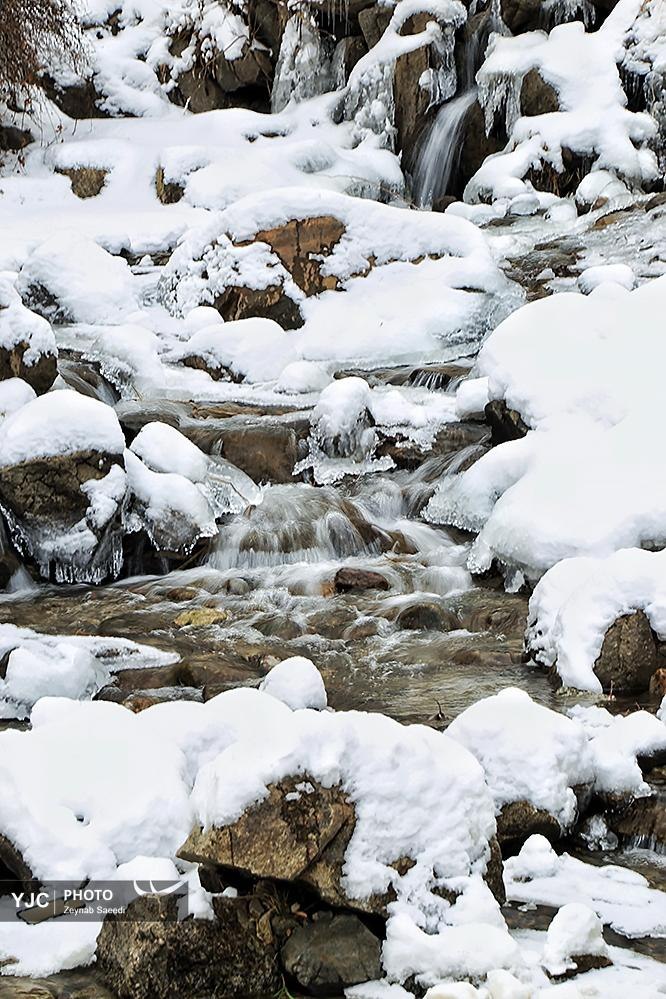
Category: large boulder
[148,953]
[27,344]
[62,485]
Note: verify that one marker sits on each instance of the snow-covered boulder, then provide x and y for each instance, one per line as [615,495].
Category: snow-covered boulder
[314,803]
[62,485]
[27,344]
[255,349]
[178,492]
[537,762]
[594,620]
[69,278]
[337,269]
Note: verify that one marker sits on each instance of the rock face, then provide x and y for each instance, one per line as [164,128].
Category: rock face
[628,655]
[537,96]
[331,953]
[267,452]
[642,823]
[280,837]
[148,954]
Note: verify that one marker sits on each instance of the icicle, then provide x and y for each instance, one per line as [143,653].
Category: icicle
[304,66]
[500,94]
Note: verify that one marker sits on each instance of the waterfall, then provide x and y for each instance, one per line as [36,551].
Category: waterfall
[441,147]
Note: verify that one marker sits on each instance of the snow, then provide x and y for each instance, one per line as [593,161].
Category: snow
[75,667]
[60,423]
[19,325]
[574,931]
[582,482]
[254,348]
[578,599]
[297,683]
[616,742]
[14,393]
[85,283]
[528,752]
[593,277]
[620,897]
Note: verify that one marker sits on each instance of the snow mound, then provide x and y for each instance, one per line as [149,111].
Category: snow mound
[69,278]
[14,393]
[584,481]
[616,743]
[575,931]
[255,348]
[60,423]
[297,682]
[528,752]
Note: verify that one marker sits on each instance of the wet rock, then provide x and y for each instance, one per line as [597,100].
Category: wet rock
[300,245]
[76,100]
[475,146]
[200,617]
[331,953]
[349,580]
[519,820]
[267,452]
[80,984]
[537,96]
[412,99]
[451,439]
[658,683]
[521,15]
[148,954]
[44,502]
[425,617]
[642,823]
[505,424]
[280,836]
[167,191]
[11,859]
[239,302]
[373,22]
[628,655]
[87,182]
[582,963]
[494,876]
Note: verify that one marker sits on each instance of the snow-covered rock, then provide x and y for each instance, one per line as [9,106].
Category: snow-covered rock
[27,344]
[63,484]
[297,682]
[70,278]
[574,942]
[529,754]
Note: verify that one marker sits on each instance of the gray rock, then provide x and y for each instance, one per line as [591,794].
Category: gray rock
[147,953]
[331,953]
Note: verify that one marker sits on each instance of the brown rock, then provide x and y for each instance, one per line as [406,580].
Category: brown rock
[642,823]
[237,302]
[167,191]
[521,15]
[12,859]
[87,182]
[583,963]
[148,954]
[373,22]
[537,96]
[628,655]
[350,579]
[40,375]
[280,836]
[658,683]
[267,452]
[48,487]
[12,139]
[347,53]
[425,616]
[300,244]
[475,147]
